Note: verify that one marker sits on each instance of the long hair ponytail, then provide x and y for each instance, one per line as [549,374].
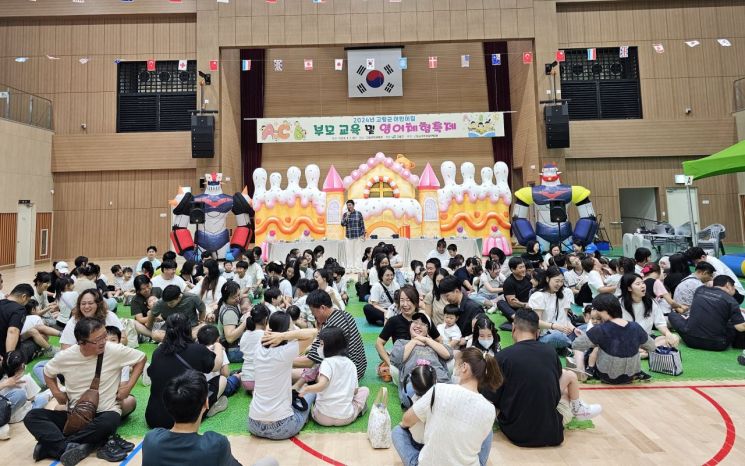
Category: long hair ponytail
[484,368]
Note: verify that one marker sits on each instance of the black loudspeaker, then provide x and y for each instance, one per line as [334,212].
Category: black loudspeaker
[557,126]
[558,211]
[196,213]
[202,136]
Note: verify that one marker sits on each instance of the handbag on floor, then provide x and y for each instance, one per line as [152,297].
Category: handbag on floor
[85,409]
[379,422]
[665,360]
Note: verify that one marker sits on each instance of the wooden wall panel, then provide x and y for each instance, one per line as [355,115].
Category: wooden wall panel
[605,176]
[43,222]
[86,93]
[7,239]
[449,88]
[699,78]
[122,151]
[24,8]
[114,213]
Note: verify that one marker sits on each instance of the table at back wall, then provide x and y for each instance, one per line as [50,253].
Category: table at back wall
[409,249]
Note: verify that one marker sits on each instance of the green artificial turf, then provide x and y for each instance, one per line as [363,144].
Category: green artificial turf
[697,365]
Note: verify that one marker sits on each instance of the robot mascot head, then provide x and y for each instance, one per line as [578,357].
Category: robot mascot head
[214,183]
[550,174]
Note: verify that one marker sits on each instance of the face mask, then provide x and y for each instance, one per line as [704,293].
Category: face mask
[486,343]
[320,352]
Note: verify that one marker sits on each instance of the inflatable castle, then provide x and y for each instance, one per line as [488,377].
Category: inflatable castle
[392,199]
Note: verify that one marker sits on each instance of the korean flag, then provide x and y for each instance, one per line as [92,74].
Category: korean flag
[374,73]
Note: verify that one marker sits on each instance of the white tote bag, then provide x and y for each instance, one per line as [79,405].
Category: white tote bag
[379,422]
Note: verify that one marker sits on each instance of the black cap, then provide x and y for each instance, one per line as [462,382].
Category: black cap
[421,316]
[171,292]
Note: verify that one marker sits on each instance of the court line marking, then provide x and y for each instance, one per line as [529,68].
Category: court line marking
[720,455]
[308,449]
[132,454]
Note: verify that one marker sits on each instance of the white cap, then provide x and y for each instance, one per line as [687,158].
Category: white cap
[62,267]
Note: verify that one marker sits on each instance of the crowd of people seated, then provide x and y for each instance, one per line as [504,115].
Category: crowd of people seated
[302,355]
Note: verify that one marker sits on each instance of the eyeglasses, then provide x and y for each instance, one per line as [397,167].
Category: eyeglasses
[97,341]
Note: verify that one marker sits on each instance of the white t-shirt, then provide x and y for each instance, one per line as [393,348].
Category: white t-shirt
[285,287]
[66,303]
[254,274]
[30,322]
[155,262]
[249,344]
[209,298]
[595,282]
[242,281]
[336,400]
[456,409]
[225,362]
[378,295]
[127,285]
[572,278]
[444,257]
[80,370]
[656,317]
[68,334]
[449,333]
[495,282]
[372,276]
[721,269]
[160,282]
[272,399]
[341,285]
[335,298]
[542,300]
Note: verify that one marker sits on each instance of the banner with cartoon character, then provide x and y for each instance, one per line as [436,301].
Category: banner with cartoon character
[380,127]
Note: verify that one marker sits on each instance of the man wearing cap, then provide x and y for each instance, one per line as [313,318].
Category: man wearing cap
[469,309]
[173,301]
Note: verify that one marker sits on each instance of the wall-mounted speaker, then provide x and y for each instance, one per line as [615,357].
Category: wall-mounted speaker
[557,126]
[202,136]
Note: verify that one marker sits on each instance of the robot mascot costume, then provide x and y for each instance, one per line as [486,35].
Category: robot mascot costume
[550,195]
[212,238]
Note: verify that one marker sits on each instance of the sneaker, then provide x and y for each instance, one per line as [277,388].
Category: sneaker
[585,412]
[50,352]
[5,432]
[643,376]
[123,444]
[741,358]
[220,405]
[506,327]
[146,378]
[581,375]
[111,452]
[492,310]
[75,453]
[571,364]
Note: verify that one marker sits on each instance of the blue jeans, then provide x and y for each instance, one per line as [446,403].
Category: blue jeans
[557,339]
[284,428]
[234,354]
[38,371]
[409,450]
[481,297]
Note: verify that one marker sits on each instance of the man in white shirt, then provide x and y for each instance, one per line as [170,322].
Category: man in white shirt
[697,254]
[78,366]
[440,252]
[150,257]
[168,277]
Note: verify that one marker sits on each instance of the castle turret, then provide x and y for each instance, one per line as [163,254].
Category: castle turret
[333,186]
[427,194]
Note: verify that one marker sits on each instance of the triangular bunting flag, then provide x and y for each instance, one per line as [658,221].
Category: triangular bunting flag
[659,48]
[724,42]
[693,43]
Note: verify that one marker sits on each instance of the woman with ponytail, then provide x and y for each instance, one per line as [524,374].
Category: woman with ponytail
[447,408]
[177,354]
[255,327]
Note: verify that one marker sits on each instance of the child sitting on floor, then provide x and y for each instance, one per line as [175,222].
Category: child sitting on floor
[255,327]
[35,330]
[450,332]
[340,399]
[114,335]
[218,380]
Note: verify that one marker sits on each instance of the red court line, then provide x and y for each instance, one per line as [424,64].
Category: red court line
[657,387]
[729,439]
[315,452]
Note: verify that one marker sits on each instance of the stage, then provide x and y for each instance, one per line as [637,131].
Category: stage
[408,249]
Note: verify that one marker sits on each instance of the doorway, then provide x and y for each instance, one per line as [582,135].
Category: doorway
[25,234]
[638,209]
[677,207]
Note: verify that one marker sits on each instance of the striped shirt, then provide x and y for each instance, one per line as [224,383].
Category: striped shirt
[355,348]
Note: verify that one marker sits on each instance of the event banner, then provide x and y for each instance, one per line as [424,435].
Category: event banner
[380,127]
